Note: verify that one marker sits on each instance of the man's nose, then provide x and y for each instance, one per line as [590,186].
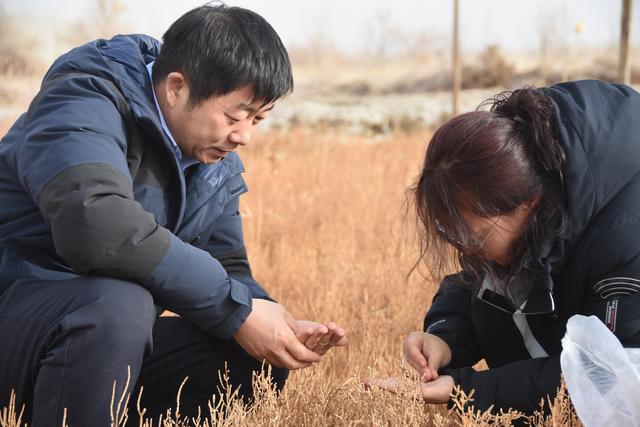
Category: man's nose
[241,135]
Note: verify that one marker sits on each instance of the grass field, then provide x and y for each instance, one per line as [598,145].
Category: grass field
[324,230]
[327,235]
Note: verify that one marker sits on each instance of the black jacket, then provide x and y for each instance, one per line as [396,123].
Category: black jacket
[594,270]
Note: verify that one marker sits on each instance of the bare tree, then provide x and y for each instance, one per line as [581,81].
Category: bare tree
[108,17]
[15,56]
[104,20]
[551,41]
[387,38]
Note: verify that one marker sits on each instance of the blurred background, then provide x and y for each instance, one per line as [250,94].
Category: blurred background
[363,65]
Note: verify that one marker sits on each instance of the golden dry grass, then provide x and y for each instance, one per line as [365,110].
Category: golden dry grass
[323,226]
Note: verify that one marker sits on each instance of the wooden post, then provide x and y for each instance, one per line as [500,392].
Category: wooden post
[624,70]
[455,53]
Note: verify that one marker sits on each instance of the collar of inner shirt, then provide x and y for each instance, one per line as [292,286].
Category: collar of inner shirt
[185,161]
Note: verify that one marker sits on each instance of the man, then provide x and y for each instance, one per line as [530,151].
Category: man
[119,195]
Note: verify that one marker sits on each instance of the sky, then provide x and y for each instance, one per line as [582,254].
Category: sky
[514,24]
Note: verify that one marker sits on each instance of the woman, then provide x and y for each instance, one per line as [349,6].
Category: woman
[538,200]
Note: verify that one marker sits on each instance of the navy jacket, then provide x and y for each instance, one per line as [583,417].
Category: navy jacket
[594,270]
[89,185]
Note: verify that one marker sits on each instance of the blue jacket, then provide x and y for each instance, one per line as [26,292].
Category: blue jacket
[89,185]
[594,269]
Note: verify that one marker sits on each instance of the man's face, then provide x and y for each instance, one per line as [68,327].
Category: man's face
[209,131]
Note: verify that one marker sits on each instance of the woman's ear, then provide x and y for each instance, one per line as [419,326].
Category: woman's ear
[531,204]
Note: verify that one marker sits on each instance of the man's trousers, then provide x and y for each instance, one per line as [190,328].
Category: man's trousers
[64,343]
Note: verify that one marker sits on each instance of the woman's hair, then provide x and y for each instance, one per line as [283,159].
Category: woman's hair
[488,163]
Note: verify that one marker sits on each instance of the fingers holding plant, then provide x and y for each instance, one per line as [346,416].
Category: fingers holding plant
[426,353]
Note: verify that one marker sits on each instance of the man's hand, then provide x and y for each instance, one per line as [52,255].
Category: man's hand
[436,391]
[426,353]
[269,333]
[320,338]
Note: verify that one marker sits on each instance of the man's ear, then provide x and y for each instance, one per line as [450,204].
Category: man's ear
[176,89]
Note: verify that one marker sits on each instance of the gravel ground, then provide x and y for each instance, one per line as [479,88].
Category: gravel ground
[374,114]
[370,114]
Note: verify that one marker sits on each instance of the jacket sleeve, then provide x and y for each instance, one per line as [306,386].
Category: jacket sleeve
[449,318]
[73,164]
[613,282]
[226,244]
[519,385]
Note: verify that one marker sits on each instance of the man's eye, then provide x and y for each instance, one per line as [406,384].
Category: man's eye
[231,119]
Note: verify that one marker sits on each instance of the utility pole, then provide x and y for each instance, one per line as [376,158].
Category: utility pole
[455,66]
[624,65]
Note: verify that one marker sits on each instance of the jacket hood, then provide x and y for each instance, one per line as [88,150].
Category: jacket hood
[594,122]
[121,60]
[597,125]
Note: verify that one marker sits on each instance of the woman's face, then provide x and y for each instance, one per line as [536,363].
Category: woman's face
[495,236]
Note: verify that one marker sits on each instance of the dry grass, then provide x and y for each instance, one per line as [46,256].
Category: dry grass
[323,225]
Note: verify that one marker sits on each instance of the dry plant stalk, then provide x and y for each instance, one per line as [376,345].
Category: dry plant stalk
[119,414]
[8,415]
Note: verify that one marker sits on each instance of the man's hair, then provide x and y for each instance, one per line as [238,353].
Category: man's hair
[220,49]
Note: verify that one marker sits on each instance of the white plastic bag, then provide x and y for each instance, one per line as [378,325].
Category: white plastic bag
[602,377]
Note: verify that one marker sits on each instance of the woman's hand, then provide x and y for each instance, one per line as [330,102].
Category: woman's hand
[426,354]
[320,338]
[436,391]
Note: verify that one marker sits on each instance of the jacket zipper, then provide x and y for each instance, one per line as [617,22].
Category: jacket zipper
[193,215]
